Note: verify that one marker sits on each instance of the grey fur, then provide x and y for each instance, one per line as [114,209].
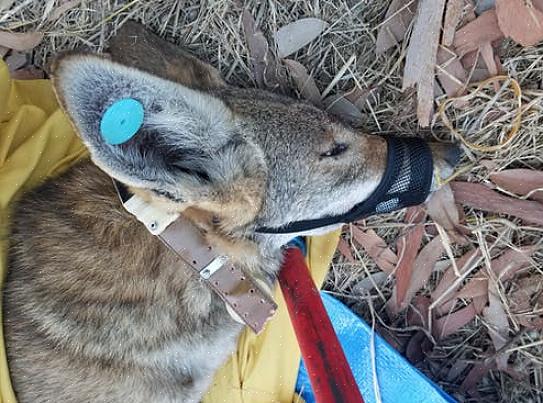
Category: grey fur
[96,309]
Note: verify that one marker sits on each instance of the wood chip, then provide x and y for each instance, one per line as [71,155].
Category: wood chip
[304,82]
[451,73]
[452,18]
[421,57]
[484,29]
[475,64]
[407,246]
[520,21]
[294,36]
[524,182]
[20,41]
[480,197]
[392,30]
[487,53]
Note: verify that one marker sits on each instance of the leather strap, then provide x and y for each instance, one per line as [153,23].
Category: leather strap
[240,292]
[243,296]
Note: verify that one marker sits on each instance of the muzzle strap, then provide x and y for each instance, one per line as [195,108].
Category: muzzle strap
[406,182]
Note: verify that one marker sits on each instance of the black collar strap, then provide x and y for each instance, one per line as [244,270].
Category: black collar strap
[406,182]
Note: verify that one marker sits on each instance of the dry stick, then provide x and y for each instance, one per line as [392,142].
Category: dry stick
[474,67]
[421,57]
[393,15]
[449,75]
[395,66]
[108,18]
[453,14]
[447,246]
[15,10]
[525,346]
[487,107]
[372,356]
[515,124]
[341,17]
[338,76]
[474,262]
[19,24]
[372,112]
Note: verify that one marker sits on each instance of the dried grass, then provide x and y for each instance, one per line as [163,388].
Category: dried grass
[212,30]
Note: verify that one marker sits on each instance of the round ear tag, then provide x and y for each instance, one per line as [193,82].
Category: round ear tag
[121,121]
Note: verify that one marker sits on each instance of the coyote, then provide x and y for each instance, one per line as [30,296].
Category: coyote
[96,308]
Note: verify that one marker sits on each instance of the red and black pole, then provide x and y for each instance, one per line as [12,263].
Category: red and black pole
[329,372]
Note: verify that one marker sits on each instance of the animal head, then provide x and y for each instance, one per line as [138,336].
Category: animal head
[229,158]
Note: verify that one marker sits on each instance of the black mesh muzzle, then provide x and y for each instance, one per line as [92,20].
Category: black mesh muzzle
[406,182]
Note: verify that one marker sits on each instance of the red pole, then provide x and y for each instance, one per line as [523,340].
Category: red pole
[329,373]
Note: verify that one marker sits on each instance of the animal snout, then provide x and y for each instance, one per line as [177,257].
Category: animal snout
[453,155]
[446,158]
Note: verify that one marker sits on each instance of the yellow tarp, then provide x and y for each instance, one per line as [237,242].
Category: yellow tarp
[36,142]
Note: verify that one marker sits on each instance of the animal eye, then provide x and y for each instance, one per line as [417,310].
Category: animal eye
[337,149]
[167,195]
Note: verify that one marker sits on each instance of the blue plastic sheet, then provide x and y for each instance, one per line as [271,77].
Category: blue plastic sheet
[398,381]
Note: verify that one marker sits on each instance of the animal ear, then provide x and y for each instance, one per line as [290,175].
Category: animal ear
[135,46]
[185,145]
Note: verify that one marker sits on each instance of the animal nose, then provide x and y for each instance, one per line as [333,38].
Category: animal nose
[453,154]
[446,154]
[446,158]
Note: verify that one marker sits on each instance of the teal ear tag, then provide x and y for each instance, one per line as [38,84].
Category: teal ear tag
[121,121]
